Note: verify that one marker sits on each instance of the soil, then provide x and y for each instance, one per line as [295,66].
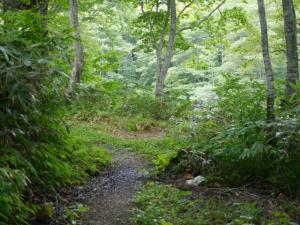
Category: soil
[154,133]
[109,195]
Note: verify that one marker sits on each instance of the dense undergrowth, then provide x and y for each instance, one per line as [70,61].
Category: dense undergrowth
[231,144]
[38,156]
[48,142]
[110,97]
[228,145]
[166,205]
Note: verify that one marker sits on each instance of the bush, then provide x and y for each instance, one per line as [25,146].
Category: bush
[147,105]
[231,141]
[36,153]
[88,100]
[106,96]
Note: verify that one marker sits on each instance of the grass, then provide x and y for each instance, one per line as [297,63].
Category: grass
[165,205]
[157,150]
[89,153]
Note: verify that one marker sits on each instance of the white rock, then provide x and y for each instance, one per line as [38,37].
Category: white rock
[191,183]
[196,181]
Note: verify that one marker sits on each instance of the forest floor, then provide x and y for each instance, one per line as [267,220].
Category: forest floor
[124,193]
[108,196]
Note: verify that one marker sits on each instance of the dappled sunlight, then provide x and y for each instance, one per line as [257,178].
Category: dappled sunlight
[149,112]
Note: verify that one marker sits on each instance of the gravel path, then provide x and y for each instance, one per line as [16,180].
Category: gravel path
[109,195]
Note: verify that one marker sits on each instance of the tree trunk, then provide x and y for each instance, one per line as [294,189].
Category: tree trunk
[159,88]
[290,30]
[164,63]
[267,63]
[159,61]
[79,57]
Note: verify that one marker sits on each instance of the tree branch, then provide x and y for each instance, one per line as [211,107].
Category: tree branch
[142,7]
[184,8]
[205,18]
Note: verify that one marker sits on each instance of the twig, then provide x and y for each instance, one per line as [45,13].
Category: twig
[207,17]
[184,8]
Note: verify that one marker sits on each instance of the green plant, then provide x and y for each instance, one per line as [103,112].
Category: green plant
[92,98]
[281,218]
[231,142]
[73,213]
[146,105]
[164,204]
[37,153]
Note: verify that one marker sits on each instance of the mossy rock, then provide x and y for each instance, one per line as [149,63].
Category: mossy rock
[45,213]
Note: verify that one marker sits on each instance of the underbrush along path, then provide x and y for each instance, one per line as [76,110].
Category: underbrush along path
[109,195]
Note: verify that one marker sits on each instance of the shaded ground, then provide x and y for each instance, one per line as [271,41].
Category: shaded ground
[109,195]
[271,203]
[154,133]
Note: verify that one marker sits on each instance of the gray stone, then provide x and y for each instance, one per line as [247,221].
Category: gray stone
[196,181]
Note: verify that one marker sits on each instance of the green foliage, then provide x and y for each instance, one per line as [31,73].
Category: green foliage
[73,213]
[89,156]
[12,183]
[164,204]
[146,105]
[139,123]
[225,139]
[141,108]
[90,99]
[32,150]
[240,101]
[159,150]
[37,154]
[231,139]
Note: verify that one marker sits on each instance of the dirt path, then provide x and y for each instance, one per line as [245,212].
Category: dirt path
[109,195]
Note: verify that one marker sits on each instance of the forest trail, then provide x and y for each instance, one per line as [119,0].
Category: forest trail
[109,195]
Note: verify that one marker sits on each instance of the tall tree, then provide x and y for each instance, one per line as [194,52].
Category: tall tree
[163,65]
[290,30]
[79,57]
[267,62]
[163,29]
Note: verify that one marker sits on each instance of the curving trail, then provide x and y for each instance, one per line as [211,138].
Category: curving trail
[109,195]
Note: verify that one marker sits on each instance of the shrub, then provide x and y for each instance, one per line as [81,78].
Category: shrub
[230,139]
[36,153]
[88,100]
[147,105]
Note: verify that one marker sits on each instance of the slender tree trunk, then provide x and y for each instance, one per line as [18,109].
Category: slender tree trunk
[79,57]
[159,88]
[159,59]
[165,62]
[290,30]
[267,63]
